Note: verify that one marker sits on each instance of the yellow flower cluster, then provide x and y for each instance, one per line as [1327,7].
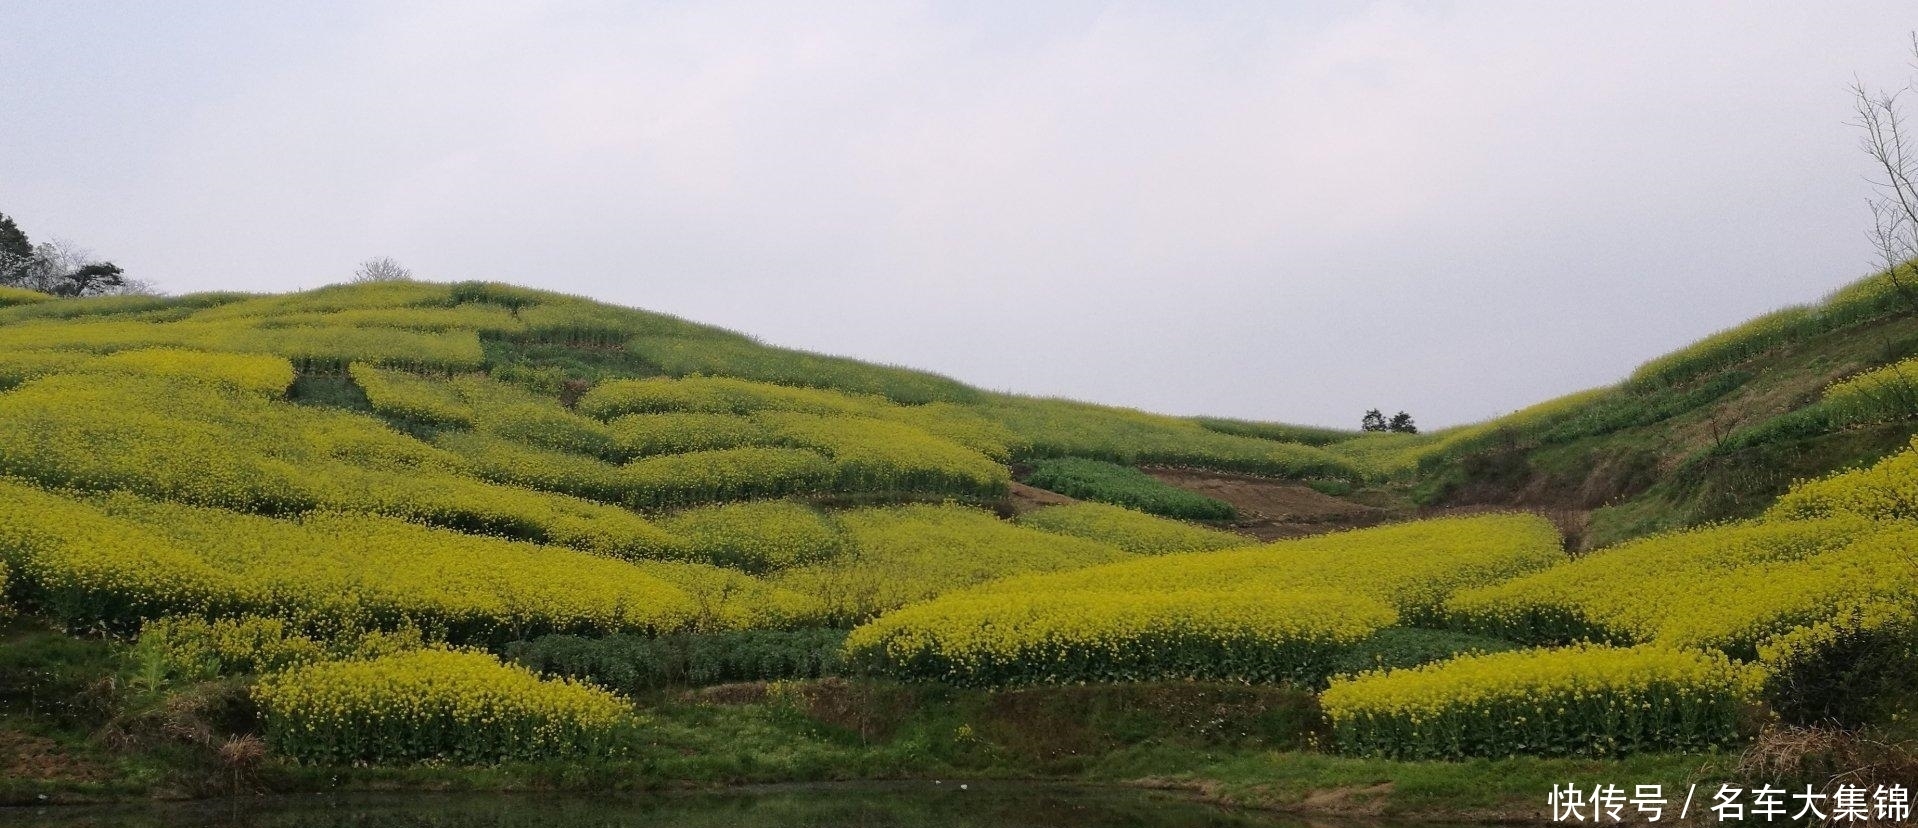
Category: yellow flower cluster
[1745,611]
[727,395]
[256,373]
[1405,571]
[333,299]
[1828,553]
[710,395]
[527,440]
[1807,651]
[98,336]
[411,397]
[723,474]
[198,444]
[260,374]
[195,648]
[513,413]
[727,599]
[958,424]
[1412,566]
[570,320]
[19,366]
[904,554]
[332,348]
[1887,490]
[310,347]
[1886,393]
[1135,532]
[437,705]
[871,455]
[481,318]
[10,296]
[1630,593]
[126,559]
[504,461]
[639,435]
[1726,346]
[85,567]
[740,357]
[1080,636]
[864,462]
[757,537]
[1578,701]
[655,481]
[4,572]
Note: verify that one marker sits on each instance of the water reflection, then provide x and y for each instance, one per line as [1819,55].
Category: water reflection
[914,805]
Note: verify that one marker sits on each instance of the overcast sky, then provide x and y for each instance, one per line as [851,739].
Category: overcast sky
[1281,210]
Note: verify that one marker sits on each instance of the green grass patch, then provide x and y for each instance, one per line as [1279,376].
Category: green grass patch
[636,665]
[1115,484]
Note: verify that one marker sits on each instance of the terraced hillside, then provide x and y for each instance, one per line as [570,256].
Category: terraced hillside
[473,523]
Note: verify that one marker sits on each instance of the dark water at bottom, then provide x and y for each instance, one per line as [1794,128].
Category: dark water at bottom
[905,805]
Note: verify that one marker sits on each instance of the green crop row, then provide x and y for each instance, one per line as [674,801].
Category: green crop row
[1110,483]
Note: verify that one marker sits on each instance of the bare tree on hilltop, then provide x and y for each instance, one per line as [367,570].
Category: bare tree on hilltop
[382,269]
[1894,151]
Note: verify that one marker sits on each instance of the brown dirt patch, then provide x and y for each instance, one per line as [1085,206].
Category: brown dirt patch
[23,756]
[1273,509]
[745,692]
[873,711]
[1369,800]
[1023,498]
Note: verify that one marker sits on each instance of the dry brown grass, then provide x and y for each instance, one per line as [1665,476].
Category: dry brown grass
[1826,758]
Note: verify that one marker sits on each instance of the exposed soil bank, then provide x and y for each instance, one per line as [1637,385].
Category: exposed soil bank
[1273,509]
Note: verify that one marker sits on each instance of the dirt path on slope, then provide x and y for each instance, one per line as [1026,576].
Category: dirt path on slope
[1273,509]
[1023,498]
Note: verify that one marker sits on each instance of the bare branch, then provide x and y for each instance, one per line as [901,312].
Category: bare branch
[1889,142]
[382,269]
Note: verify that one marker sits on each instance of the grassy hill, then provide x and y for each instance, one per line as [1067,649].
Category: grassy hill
[269,538]
[1712,432]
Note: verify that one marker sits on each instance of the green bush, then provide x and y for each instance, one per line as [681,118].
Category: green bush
[634,664]
[1396,648]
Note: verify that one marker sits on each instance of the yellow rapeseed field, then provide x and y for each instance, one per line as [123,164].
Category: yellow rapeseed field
[904,554]
[757,537]
[1887,490]
[1284,594]
[1133,531]
[1412,566]
[1081,636]
[1629,593]
[412,397]
[124,559]
[1586,700]
[437,705]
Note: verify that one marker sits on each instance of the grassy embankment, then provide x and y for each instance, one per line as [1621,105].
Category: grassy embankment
[1244,745]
